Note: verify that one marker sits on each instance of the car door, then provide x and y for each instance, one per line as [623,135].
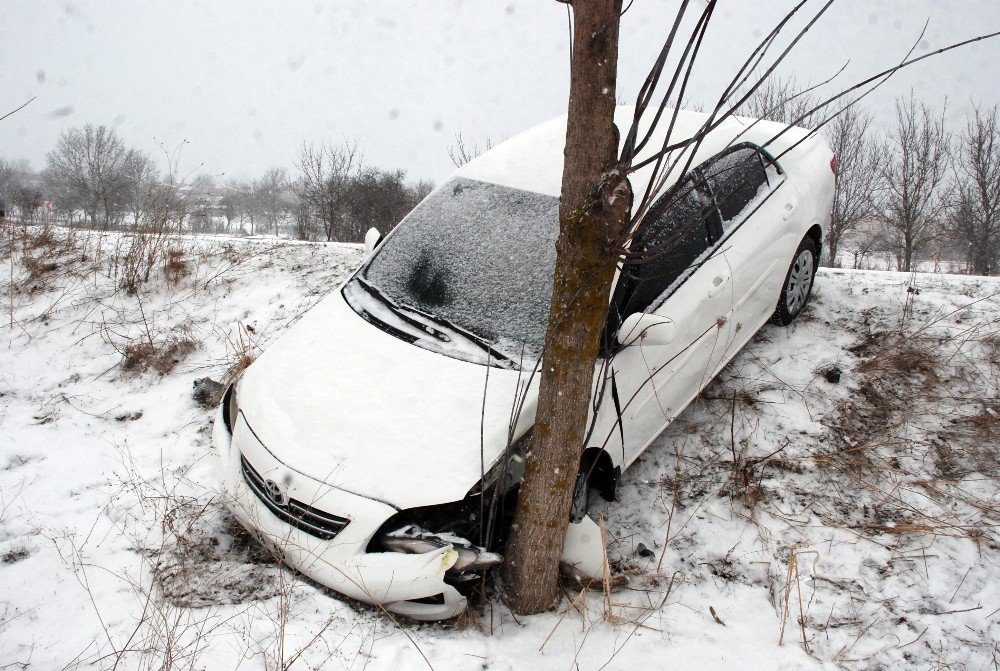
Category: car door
[676,271]
[758,209]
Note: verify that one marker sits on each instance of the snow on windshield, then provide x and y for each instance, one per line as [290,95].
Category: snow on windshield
[480,256]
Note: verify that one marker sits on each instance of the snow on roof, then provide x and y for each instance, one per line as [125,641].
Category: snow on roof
[533,160]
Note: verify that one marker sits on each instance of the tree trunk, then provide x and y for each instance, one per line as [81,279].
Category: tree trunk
[832,248]
[593,210]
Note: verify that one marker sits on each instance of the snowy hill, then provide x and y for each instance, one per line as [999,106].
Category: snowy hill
[830,502]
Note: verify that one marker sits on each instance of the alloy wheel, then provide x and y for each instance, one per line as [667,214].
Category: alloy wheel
[799,282]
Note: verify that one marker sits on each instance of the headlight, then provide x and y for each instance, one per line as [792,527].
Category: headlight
[413,539]
[229,407]
[484,515]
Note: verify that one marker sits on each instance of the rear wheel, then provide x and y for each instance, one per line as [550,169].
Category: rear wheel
[798,283]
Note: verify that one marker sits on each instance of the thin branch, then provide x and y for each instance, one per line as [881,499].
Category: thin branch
[14,111]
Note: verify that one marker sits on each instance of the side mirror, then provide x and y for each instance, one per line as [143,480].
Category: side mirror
[372,238]
[650,329]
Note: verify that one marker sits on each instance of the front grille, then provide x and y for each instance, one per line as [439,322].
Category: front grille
[305,518]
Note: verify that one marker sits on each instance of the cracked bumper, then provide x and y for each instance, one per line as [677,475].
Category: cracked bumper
[390,579]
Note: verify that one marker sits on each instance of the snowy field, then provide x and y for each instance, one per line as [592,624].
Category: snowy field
[830,502]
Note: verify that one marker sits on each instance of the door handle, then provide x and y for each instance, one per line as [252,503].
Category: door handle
[718,284]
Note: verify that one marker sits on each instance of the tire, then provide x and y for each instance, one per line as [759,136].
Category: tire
[798,284]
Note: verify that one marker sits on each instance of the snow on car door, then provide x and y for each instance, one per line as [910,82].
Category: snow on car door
[701,311]
[758,208]
[678,275]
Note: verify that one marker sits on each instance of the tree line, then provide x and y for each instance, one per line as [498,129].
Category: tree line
[911,191]
[92,178]
[914,190]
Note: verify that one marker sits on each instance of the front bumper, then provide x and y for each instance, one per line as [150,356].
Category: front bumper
[390,579]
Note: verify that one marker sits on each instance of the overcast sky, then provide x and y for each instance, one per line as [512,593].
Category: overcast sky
[244,83]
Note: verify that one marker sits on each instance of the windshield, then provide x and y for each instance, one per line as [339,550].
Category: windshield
[474,261]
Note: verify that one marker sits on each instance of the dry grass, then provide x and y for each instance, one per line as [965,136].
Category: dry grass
[175,267]
[242,351]
[162,357]
[43,253]
[199,577]
[896,452]
[138,252]
[918,437]
[207,558]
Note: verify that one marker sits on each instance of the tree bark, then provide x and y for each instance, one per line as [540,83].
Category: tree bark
[594,208]
[833,248]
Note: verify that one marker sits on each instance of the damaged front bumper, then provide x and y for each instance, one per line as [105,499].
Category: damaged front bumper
[341,524]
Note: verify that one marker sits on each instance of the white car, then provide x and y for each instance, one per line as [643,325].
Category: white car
[378,443]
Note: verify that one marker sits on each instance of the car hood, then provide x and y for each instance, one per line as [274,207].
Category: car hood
[342,402]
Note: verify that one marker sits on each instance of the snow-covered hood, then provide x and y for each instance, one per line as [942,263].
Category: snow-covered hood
[340,401]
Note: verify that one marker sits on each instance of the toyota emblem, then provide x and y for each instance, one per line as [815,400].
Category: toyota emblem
[275,493]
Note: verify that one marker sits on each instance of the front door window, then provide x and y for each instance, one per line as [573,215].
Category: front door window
[665,247]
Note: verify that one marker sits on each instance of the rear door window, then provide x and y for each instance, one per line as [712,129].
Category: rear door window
[738,180]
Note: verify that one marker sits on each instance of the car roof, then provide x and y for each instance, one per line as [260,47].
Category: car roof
[533,160]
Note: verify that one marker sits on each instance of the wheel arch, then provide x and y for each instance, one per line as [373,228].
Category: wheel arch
[603,474]
[816,233]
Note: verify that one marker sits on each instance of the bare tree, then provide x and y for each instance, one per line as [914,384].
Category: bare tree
[302,216]
[859,172]
[91,169]
[326,172]
[781,100]
[21,187]
[145,193]
[422,189]
[381,199]
[596,221]
[913,200]
[268,200]
[976,199]
[11,174]
[461,152]
[236,203]
[27,198]
[202,201]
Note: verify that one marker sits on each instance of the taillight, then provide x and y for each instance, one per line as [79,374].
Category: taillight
[833,165]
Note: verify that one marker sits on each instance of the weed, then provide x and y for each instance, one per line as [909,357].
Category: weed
[242,353]
[142,355]
[794,572]
[15,555]
[175,268]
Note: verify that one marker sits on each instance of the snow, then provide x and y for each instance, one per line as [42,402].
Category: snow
[437,402]
[533,160]
[882,493]
[441,263]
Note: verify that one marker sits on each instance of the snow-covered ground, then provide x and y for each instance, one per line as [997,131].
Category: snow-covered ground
[838,483]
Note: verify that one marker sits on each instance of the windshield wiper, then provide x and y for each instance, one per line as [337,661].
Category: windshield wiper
[471,337]
[388,328]
[400,310]
[397,310]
